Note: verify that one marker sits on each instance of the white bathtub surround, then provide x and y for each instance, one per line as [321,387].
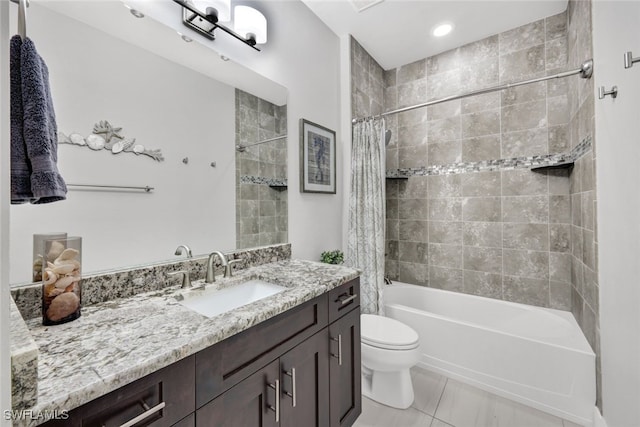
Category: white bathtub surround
[535,356]
[365,236]
[389,350]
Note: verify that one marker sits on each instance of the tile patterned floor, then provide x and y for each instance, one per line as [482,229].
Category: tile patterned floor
[444,402]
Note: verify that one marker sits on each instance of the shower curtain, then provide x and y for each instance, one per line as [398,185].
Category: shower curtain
[365,238]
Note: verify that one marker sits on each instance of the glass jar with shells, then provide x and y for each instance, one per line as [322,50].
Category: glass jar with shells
[61,280]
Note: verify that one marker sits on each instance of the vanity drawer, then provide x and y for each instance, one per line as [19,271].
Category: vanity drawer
[160,399]
[343,299]
[230,361]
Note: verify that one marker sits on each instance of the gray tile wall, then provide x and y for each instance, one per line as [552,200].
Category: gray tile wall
[501,234]
[584,244]
[261,211]
[367,82]
[511,234]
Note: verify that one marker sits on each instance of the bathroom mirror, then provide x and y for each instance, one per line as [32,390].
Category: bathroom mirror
[169,94]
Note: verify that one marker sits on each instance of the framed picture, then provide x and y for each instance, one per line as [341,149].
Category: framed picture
[317,158]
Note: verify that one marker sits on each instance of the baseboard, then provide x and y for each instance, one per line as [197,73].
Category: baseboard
[598,421]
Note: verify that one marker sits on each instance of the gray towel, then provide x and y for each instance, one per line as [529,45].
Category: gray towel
[39,131]
[20,165]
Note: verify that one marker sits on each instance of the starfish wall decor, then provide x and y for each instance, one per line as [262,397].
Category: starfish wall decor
[107,137]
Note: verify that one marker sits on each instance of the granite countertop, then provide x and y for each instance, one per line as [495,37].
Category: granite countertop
[116,342]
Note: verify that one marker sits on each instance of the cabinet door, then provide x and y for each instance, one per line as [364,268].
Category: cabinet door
[344,370]
[253,402]
[305,379]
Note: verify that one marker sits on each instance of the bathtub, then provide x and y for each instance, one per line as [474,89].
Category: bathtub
[536,356]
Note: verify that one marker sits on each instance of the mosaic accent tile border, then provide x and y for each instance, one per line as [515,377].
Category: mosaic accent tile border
[495,165]
[114,284]
[250,179]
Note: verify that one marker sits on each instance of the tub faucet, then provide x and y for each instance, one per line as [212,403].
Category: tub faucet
[211,273]
[184,248]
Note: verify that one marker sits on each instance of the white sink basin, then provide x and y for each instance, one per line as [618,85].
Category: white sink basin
[211,302]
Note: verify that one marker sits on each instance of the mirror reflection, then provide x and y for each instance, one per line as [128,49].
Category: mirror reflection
[148,87]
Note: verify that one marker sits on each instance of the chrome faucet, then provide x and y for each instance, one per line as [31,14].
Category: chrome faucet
[184,248]
[186,280]
[211,273]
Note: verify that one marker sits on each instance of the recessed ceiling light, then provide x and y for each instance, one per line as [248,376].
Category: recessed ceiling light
[442,29]
[136,13]
[185,37]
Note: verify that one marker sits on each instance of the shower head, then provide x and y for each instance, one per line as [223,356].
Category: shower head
[387,137]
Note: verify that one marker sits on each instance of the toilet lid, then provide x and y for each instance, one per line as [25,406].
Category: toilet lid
[384,332]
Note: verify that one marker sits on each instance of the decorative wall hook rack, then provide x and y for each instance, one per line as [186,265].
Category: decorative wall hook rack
[602,92]
[107,137]
[629,60]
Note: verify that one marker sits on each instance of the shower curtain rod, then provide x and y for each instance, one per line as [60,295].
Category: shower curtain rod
[585,71]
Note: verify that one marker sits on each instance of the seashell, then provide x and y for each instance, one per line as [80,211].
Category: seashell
[55,292]
[63,139]
[63,268]
[67,254]
[65,281]
[55,250]
[127,143]
[95,142]
[50,277]
[62,306]
[71,287]
[76,138]
[138,148]
[117,147]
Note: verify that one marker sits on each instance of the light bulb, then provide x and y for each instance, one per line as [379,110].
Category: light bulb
[250,23]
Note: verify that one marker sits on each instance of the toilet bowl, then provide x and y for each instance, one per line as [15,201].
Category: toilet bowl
[389,349]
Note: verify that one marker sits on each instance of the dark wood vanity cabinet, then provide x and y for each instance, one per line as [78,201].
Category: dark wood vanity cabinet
[300,368]
[345,394]
[163,398]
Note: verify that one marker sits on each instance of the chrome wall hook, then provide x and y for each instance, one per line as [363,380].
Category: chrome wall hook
[602,92]
[629,60]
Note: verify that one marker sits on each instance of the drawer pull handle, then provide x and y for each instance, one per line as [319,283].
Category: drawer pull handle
[292,395]
[145,414]
[276,387]
[339,355]
[342,300]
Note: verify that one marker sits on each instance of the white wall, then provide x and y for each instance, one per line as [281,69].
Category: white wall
[163,105]
[5,359]
[303,55]
[615,30]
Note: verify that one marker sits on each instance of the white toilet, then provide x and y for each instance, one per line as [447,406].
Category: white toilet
[389,349]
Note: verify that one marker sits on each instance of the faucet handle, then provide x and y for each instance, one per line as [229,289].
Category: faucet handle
[228,270]
[186,280]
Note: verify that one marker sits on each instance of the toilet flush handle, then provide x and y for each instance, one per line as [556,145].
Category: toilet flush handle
[339,355]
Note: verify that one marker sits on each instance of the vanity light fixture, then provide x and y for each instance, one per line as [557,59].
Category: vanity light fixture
[442,29]
[204,17]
